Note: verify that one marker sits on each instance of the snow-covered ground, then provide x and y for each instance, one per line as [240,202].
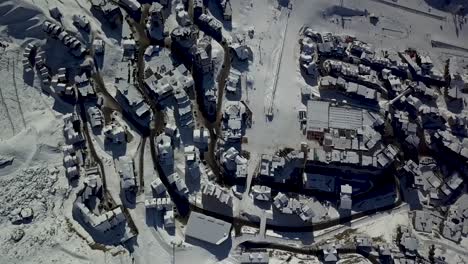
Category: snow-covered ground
[397,29]
[31,136]
[31,121]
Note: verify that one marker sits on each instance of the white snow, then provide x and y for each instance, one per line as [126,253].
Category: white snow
[31,121]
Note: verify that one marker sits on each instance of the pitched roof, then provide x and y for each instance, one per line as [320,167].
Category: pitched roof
[207,228]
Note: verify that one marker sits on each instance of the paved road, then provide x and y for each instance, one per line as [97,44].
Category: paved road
[263,220]
[431,241]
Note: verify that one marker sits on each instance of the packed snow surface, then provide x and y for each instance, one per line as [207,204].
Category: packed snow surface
[35,212]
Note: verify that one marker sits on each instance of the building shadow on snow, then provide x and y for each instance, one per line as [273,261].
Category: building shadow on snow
[219,251]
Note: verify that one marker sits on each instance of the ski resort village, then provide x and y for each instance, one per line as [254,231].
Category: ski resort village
[233,131]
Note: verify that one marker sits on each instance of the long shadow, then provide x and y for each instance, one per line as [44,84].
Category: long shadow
[61,106]
[111,30]
[215,205]
[111,237]
[309,79]
[28,77]
[219,251]
[344,11]
[128,198]
[117,150]
[215,9]
[450,7]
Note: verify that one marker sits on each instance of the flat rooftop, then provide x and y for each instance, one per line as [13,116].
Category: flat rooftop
[321,116]
[345,118]
[317,115]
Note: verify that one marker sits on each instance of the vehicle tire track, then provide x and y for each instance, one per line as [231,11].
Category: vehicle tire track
[20,109]
[2,99]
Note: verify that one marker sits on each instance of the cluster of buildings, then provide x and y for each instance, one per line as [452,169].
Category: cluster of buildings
[93,208]
[115,133]
[288,205]
[210,25]
[201,138]
[422,66]
[83,85]
[184,38]
[406,128]
[75,47]
[126,171]
[192,162]
[161,202]
[408,243]
[33,56]
[236,117]
[348,136]
[203,66]
[155,21]
[452,143]
[234,82]
[434,188]
[241,49]
[350,89]
[166,207]
[202,60]
[398,63]
[72,129]
[68,83]
[451,227]
[234,163]
[444,206]
[382,158]
[86,207]
[128,95]
[406,250]
[455,225]
[164,150]
[458,79]
[72,159]
[352,139]
[166,82]
[216,192]
[233,121]
[110,10]
[260,257]
[81,22]
[29,56]
[178,182]
[353,73]
[308,58]
[60,83]
[278,168]
[358,68]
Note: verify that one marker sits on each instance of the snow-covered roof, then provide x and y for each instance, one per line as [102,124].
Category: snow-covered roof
[207,228]
[317,115]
